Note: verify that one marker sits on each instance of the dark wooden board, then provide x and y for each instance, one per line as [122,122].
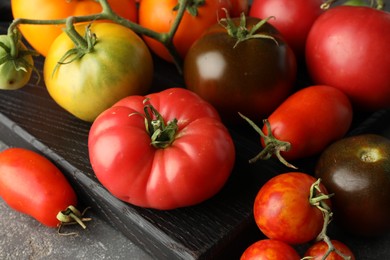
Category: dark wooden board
[220,228]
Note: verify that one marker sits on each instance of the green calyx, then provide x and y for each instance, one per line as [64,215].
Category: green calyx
[83,45]
[272,146]
[192,7]
[241,32]
[161,135]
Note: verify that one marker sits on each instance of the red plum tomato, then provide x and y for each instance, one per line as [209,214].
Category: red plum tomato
[270,249]
[283,211]
[177,154]
[348,48]
[252,76]
[30,183]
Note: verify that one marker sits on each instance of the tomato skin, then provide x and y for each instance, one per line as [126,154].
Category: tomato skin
[292,18]
[24,173]
[158,16]
[282,209]
[270,249]
[40,37]
[192,169]
[252,78]
[356,169]
[319,249]
[310,119]
[86,87]
[239,7]
[333,57]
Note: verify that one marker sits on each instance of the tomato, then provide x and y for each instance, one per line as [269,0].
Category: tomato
[340,47]
[239,7]
[119,65]
[283,211]
[292,18]
[41,37]
[252,77]
[15,72]
[159,16]
[187,163]
[269,249]
[31,184]
[305,123]
[357,170]
[319,249]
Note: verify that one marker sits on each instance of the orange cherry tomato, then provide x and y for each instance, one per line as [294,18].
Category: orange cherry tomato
[159,16]
[41,37]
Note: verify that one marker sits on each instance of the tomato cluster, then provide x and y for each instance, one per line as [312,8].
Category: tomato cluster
[305,76]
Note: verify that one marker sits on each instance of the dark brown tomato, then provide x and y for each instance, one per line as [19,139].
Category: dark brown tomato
[252,77]
[357,170]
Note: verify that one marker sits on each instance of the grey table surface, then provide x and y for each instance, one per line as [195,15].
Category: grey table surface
[22,237]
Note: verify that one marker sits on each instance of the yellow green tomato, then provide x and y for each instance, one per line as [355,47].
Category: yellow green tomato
[118,65]
[15,72]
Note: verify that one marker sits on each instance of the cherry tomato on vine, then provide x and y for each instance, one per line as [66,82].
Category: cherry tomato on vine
[283,210]
[270,249]
[305,123]
[183,156]
[344,52]
[292,18]
[159,16]
[120,64]
[319,249]
[251,75]
[357,170]
[33,185]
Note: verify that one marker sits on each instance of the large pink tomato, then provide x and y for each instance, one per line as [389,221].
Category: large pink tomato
[164,150]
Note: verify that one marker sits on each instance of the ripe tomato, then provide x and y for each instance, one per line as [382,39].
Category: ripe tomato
[31,184]
[119,65]
[239,7]
[41,37]
[159,15]
[252,77]
[343,52]
[319,249]
[282,209]
[186,164]
[270,249]
[357,170]
[292,18]
[305,123]
[15,72]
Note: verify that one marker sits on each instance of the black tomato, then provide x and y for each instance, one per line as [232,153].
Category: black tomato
[252,76]
[357,170]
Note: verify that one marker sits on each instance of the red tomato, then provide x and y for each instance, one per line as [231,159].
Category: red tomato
[292,18]
[31,184]
[282,209]
[252,77]
[269,249]
[176,169]
[159,15]
[306,122]
[344,52]
[319,249]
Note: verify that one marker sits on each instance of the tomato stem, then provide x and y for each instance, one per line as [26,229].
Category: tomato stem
[272,146]
[72,215]
[162,135]
[317,198]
